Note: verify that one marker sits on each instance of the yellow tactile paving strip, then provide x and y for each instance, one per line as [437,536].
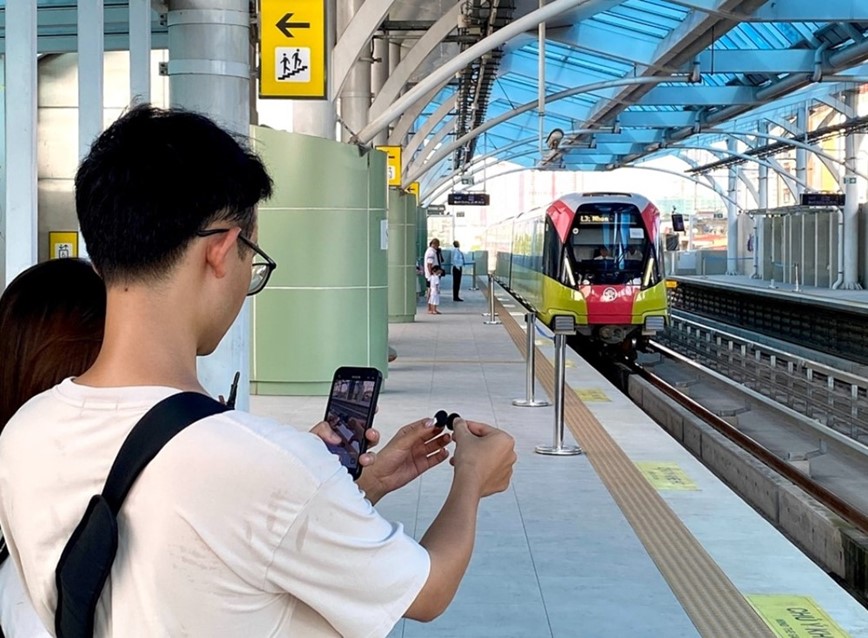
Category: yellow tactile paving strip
[708,597]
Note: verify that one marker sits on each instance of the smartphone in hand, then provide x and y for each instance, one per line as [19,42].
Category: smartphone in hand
[350,412]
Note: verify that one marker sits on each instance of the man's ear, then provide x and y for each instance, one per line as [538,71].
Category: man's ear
[219,249]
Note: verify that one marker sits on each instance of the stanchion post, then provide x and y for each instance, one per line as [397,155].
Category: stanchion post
[492,316]
[563,325]
[530,401]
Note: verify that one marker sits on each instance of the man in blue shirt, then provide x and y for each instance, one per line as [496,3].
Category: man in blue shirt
[457,267]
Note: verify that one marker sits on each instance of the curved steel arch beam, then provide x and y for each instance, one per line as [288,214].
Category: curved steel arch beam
[487,178]
[789,180]
[717,187]
[587,88]
[414,58]
[426,129]
[502,149]
[533,19]
[724,197]
[400,130]
[444,130]
[708,178]
[796,143]
[354,39]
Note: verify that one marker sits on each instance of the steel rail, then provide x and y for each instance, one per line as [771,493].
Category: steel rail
[828,498]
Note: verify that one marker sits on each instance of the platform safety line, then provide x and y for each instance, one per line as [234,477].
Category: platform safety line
[715,606]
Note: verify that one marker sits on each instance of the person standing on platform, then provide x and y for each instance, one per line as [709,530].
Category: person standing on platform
[434,291]
[240,525]
[432,257]
[457,269]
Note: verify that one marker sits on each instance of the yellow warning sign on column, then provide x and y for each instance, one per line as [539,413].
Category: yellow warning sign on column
[413,189]
[393,163]
[292,49]
[62,244]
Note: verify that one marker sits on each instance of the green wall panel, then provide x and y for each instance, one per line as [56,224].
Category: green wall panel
[402,257]
[326,304]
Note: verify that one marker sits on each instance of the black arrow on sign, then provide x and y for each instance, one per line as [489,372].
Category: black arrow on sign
[285,25]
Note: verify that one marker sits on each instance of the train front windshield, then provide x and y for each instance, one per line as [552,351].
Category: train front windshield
[609,245]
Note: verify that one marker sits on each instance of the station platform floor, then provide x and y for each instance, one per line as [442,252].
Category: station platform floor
[634,539]
[818,294]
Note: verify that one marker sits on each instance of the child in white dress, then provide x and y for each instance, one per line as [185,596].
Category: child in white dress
[434,291]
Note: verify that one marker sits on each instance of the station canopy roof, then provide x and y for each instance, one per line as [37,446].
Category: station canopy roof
[717,61]
[634,78]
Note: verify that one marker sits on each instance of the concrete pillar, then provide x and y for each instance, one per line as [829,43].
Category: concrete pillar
[327,303]
[759,221]
[379,75]
[851,204]
[319,117]
[801,154]
[90,73]
[140,51]
[20,122]
[356,94]
[732,216]
[209,72]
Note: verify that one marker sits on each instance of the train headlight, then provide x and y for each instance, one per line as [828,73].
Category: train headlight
[564,324]
[653,325]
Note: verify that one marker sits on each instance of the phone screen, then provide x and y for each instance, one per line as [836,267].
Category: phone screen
[350,412]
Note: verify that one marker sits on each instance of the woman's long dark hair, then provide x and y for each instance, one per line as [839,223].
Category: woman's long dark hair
[52,319]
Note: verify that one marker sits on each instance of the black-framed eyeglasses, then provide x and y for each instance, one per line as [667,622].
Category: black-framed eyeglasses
[262,268]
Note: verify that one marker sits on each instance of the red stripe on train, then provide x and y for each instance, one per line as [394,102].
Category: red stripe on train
[562,218]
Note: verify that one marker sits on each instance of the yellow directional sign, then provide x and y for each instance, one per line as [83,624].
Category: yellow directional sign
[393,163]
[292,49]
[413,189]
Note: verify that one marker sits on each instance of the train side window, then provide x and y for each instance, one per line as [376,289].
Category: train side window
[551,252]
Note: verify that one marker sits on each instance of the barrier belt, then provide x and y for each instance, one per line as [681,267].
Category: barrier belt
[716,607]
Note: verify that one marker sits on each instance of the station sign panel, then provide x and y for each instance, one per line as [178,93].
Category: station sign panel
[62,244]
[393,164]
[469,199]
[822,199]
[293,49]
[436,209]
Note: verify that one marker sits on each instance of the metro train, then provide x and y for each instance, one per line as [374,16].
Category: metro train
[595,256]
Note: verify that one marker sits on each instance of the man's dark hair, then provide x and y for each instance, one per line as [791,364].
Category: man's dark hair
[152,180]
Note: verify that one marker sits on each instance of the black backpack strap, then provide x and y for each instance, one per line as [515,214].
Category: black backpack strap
[159,425]
[86,561]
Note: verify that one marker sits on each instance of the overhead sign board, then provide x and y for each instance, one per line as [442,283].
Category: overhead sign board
[393,163]
[293,49]
[468,199]
[822,199]
[436,209]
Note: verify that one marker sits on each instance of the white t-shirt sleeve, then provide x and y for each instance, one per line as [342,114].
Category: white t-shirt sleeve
[357,570]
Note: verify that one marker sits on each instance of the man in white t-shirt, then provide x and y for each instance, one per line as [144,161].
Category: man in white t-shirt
[432,257]
[240,525]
